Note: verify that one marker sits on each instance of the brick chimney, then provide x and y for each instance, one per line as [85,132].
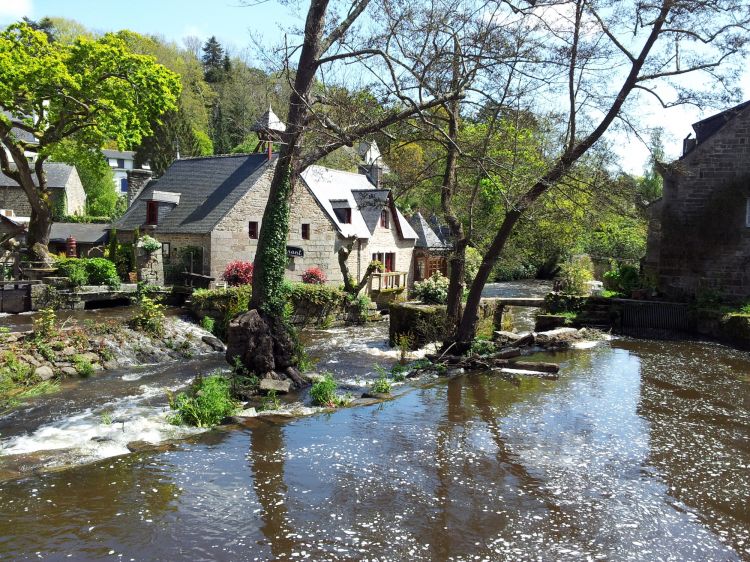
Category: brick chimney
[137,180]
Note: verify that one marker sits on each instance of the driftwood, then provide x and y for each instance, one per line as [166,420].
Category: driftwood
[536,366]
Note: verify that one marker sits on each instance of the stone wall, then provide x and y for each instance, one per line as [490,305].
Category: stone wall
[230,240]
[71,200]
[704,242]
[176,242]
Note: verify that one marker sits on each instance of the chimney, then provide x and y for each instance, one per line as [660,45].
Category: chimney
[688,144]
[137,180]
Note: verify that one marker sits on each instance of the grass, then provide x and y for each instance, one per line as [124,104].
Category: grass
[83,366]
[270,401]
[381,385]
[323,392]
[205,403]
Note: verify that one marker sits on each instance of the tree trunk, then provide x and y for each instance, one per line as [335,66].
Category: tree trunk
[349,285]
[270,261]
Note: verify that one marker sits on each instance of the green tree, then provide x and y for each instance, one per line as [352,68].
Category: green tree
[95,173]
[92,91]
[215,62]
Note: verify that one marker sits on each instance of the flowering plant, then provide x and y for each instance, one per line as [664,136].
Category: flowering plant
[314,276]
[238,273]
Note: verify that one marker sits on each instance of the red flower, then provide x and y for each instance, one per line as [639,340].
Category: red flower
[238,273]
[314,276]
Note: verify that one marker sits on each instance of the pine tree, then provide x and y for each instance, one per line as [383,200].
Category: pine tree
[213,60]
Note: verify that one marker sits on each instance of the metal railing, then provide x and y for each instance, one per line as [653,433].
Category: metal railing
[390,280]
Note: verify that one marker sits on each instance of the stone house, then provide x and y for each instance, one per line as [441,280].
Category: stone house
[213,207]
[68,196]
[699,231]
[431,249]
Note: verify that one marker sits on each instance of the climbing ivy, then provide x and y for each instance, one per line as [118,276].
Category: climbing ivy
[272,248]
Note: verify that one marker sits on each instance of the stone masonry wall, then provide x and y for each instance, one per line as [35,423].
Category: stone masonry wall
[75,196]
[230,239]
[73,203]
[705,243]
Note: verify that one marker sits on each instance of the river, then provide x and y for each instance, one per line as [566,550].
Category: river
[640,451]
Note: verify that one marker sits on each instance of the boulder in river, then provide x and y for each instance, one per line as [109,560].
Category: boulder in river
[280,386]
[44,372]
[558,336]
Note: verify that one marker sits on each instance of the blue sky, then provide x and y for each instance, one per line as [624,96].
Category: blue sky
[229,20]
[235,25]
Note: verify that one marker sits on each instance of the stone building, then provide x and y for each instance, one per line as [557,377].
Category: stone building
[431,249]
[63,182]
[212,208]
[699,231]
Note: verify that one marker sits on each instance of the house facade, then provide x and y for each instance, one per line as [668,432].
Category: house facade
[213,207]
[63,183]
[699,231]
[121,162]
[431,250]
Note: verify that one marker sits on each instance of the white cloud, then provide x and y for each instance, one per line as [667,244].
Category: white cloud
[12,10]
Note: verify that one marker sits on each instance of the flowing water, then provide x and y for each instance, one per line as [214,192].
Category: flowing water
[640,451]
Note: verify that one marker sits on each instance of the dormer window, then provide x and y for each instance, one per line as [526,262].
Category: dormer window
[152,212]
[344,216]
[384,220]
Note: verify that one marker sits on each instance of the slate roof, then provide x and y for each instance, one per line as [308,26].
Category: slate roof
[83,233]
[209,188]
[58,175]
[25,136]
[366,202]
[125,154]
[426,236]
[710,125]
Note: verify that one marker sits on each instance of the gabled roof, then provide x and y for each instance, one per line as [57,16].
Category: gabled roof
[125,154]
[58,175]
[83,233]
[209,188]
[426,236]
[332,187]
[710,125]
[20,134]
[269,121]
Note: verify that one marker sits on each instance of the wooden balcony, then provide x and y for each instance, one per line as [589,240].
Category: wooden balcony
[387,281]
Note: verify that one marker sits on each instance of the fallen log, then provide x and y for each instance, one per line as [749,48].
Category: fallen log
[506,353]
[535,366]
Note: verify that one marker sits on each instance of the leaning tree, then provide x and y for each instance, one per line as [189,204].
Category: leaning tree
[91,91]
[597,60]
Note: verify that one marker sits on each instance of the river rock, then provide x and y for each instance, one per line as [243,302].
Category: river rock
[111,364]
[68,351]
[31,360]
[503,337]
[142,446]
[44,372]
[214,342]
[69,371]
[557,336]
[377,395]
[91,357]
[282,387]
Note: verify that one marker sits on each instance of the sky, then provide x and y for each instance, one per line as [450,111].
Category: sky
[239,27]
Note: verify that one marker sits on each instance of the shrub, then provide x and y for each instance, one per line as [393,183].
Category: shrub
[149,244]
[205,403]
[433,290]
[482,347]
[270,401]
[323,392]
[381,385]
[74,269]
[314,276]
[207,323]
[574,276]
[101,271]
[238,273]
[83,366]
[622,279]
[227,302]
[150,317]
[472,263]
[44,324]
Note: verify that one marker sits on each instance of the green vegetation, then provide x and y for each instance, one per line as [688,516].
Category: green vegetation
[204,404]
[622,279]
[323,392]
[433,290]
[149,243]
[208,324]
[83,366]
[149,318]
[93,91]
[381,385]
[45,324]
[482,347]
[574,275]
[89,271]
[270,401]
